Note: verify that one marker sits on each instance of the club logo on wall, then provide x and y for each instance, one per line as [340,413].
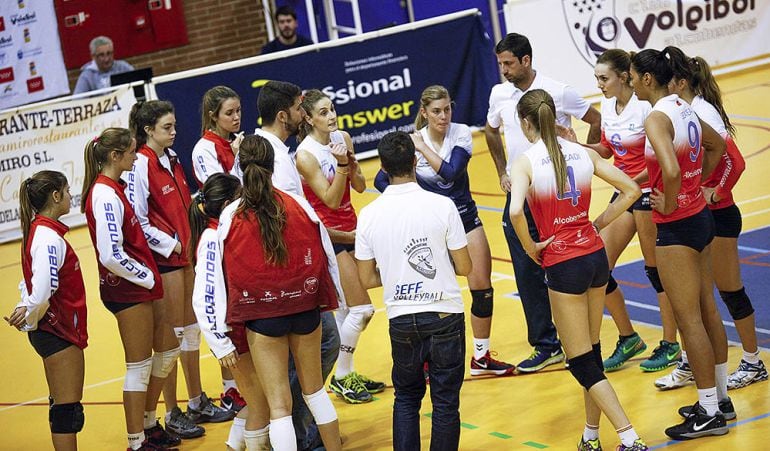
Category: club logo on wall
[593,26]
[420,257]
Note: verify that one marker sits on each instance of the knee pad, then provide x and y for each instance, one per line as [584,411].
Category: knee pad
[191,338]
[179,332]
[652,274]
[481,306]
[163,362]
[137,375]
[321,407]
[360,315]
[738,303]
[612,284]
[597,350]
[585,370]
[66,418]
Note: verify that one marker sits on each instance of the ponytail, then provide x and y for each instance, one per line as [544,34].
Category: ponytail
[34,194]
[704,83]
[308,103]
[429,94]
[147,114]
[256,162]
[218,190]
[538,108]
[97,155]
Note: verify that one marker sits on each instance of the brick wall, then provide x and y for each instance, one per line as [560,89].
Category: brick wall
[217,30]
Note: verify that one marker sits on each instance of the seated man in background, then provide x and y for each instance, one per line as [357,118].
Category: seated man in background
[96,73]
[287,38]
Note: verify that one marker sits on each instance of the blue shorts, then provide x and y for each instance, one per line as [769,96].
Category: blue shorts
[728,221]
[471,222]
[577,275]
[695,232]
[301,323]
[641,204]
[343,247]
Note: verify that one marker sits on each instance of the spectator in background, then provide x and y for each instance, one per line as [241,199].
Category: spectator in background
[96,73]
[287,38]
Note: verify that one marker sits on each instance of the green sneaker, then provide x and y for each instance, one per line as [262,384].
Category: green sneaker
[350,389]
[589,445]
[370,385]
[662,357]
[626,348]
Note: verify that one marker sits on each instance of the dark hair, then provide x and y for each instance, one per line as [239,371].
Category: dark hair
[146,114]
[34,194]
[286,10]
[654,62]
[515,43]
[429,94]
[97,154]
[212,103]
[538,108]
[618,60]
[276,96]
[704,83]
[257,159]
[309,99]
[396,151]
[219,189]
[681,66]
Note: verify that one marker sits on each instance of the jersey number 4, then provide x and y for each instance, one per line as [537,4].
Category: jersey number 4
[573,193]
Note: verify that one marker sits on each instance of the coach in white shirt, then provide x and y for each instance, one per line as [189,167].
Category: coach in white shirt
[514,56]
[413,237]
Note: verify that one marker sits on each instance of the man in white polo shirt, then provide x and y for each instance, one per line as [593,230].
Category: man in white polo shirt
[514,57]
[412,242]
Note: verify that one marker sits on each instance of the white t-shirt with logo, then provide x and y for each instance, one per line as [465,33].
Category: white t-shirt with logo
[502,110]
[409,232]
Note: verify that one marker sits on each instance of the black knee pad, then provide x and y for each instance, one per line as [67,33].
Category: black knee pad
[597,350]
[482,302]
[585,370]
[652,274]
[738,303]
[612,284]
[66,418]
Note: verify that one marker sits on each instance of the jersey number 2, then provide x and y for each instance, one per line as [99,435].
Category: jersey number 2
[573,193]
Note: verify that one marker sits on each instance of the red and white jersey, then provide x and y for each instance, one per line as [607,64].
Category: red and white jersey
[209,297]
[127,270]
[52,290]
[687,147]
[256,289]
[563,217]
[211,155]
[731,165]
[157,189]
[624,134]
[343,218]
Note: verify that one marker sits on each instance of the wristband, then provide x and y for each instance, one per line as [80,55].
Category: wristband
[341,165]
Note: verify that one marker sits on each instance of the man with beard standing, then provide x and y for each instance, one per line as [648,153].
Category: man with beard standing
[287,38]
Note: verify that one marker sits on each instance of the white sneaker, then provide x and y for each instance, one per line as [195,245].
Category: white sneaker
[746,374]
[679,377]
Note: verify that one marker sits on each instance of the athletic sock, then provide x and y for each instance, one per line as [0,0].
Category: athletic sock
[721,380]
[149,419]
[627,435]
[684,357]
[707,398]
[480,347]
[236,439]
[227,384]
[590,432]
[751,357]
[282,435]
[135,440]
[194,403]
[352,326]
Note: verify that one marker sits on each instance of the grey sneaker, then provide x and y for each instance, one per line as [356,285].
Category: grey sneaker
[181,425]
[208,412]
[746,374]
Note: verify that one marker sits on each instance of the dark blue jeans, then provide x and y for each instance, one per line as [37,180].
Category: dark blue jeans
[304,425]
[439,339]
[530,279]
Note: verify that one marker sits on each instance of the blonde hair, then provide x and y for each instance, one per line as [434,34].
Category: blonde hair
[429,94]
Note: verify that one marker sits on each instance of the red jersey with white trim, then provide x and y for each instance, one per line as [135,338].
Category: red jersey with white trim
[624,134]
[564,217]
[53,291]
[257,289]
[157,189]
[212,154]
[127,269]
[730,166]
[687,147]
[344,217]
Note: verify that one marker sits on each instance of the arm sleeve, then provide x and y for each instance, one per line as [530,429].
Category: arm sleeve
[138,192]
[733,168]
[456,166]
[108,216]
[381,181]
[47,251]
[205,163]
[209,297]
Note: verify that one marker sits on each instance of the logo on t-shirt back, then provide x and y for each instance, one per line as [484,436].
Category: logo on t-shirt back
[420,257]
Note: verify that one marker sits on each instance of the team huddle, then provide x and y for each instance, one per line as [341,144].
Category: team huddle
[270,263]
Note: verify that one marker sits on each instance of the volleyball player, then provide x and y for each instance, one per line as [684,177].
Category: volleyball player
[444,149]
[326,161]
[278,289]
[52,309]
[680,150]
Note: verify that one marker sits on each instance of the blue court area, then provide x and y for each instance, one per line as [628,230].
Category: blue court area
[754,251]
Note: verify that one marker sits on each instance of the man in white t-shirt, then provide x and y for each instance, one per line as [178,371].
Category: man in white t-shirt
[514,57]
[412,242]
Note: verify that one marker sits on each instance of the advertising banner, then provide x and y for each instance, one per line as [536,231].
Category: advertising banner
[375,80]
[53,136]
[31,63]
[568,35]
